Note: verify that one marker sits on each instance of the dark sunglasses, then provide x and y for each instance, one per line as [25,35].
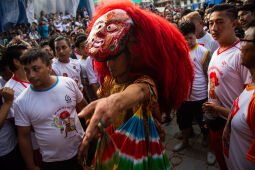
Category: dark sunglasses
[253,41]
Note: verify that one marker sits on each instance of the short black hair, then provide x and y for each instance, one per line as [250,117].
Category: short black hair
[186,12]
[60,38]
[231,10]
[13,51]
[51,42]
[247,7]
[44,43]
[79,39]
[187,27]
[33,54]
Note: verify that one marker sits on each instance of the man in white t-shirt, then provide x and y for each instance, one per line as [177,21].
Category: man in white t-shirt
[17,83]
[203,38]
[192,107]
[89,78]
[227,77]
[64,65]
[49,105]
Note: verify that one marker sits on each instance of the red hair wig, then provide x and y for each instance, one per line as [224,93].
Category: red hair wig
[161,53]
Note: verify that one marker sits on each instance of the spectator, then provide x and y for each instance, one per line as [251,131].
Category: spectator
[246,14]
[18,82]
[64,65]
[192,107]
[10,157]
[44,45]
[203,38]
[34,33]
[43,29]
[227,77]
[87,72]
[57,128]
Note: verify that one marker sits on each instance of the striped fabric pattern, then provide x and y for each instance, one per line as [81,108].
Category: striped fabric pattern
[126,148]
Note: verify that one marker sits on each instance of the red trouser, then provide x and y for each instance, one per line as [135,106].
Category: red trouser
[216,143]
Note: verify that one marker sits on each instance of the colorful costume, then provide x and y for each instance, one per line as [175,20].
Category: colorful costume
[159,57]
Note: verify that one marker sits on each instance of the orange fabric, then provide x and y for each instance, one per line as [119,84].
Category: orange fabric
[251,123]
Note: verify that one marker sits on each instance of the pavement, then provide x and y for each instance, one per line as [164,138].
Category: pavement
[191,158]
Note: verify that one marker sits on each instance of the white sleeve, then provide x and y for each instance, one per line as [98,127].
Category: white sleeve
[55,69]
[90,72]
[83,70]
[21,118]
[79,95]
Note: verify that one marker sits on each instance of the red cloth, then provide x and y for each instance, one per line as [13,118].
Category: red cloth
[216,143]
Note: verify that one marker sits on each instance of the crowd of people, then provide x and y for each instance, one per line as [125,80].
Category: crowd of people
[76,96]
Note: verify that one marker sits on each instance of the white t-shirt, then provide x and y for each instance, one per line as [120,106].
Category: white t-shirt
[2,81]
[87,70]
[199,87]
[78,55]
[19,86]
[226,76]
[208,42]
[71,69]
[78,23]
[52,113]
[8,139]
[242,136]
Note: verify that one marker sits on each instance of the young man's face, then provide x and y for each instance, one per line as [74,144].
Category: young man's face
[47,49]
[5,72]
[62,50]
[191,40]
[82,48]
[221,26]
[244,18]
[37,73]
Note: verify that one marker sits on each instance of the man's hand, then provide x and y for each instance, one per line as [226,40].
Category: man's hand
[104,109]
[210,107]
[8,94]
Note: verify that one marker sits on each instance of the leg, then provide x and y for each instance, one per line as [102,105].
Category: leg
[216,143]
[184,120]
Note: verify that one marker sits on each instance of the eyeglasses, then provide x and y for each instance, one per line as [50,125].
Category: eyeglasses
[244,40]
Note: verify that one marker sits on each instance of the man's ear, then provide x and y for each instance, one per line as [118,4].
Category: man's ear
[235,23]
[50,67]
[16,62]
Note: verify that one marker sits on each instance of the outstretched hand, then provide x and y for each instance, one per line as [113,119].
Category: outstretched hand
[103,109]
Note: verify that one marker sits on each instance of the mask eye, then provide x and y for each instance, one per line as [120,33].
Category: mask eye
[111,27]
[99,26]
